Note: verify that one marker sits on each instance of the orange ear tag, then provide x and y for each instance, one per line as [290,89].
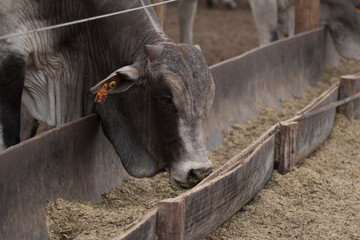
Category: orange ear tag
[358,10]
[102,94]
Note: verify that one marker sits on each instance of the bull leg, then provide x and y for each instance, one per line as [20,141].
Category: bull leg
[212,3]
[187,12]
[286,21]
[230,4]
[12,74]
[266,17]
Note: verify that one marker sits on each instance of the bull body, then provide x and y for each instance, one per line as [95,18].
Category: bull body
[154,116]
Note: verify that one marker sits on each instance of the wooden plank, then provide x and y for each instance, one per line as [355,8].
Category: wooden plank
[319,101]
[306,15]
[236,160]
[159,9]
[277,71]
[315,126]
[209,205]
[144,228]
[333,105]
[171,216]
[357,102]
[68,162]
[288,146]
[347,88]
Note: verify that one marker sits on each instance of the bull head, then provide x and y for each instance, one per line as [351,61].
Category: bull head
[156,118]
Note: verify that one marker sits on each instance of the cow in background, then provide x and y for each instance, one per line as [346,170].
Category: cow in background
[271,16]
[230,4]
[159,92]
[343,20]
[340,17]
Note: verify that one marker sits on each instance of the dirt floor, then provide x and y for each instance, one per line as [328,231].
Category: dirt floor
[307,203]
[319,200]
[221,33]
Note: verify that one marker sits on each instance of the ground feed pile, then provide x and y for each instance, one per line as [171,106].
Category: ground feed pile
[85,220]
[319,200]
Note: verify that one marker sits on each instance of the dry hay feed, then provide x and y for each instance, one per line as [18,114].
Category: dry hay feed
[319,200]
[309,202]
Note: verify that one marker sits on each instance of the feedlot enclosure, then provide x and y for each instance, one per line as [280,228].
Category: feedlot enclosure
[72,162]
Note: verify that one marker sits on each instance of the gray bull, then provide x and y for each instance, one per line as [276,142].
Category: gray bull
[272,16]
[159,96]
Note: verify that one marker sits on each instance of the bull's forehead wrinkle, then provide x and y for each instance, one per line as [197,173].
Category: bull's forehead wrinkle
[195,94]
[190,79]
[178,90]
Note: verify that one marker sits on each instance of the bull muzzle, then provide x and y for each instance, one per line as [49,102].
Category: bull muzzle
[194,177]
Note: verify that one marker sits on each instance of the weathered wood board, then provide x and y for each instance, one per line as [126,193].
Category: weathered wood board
[66,162]
[314,130]
[288,146]
[236,160]
[357,102]
[144,228]
[301,135]
[306,15]
[208,206]
[263,76]
[171,217]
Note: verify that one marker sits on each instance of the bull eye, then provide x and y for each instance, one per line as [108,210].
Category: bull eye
[166,99]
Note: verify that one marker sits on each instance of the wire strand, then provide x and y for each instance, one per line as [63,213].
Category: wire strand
[81,20]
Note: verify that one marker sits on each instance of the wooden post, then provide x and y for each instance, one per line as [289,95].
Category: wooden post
[171,219]
[159,11]
[306,15]
[288,146]
[347,88]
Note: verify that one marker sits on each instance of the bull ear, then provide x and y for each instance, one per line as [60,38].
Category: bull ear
[153,52]
[119,81]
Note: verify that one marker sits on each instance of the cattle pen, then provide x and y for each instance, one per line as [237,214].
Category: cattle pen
[86,165]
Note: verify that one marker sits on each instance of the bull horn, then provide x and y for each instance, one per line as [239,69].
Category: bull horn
[153,52]
[198,47]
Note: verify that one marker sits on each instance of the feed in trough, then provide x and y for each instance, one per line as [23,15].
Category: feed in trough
[319,200]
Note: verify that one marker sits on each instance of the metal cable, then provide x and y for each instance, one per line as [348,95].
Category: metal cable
[82,20]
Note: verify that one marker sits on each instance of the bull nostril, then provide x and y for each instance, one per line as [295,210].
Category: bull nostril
[199,174]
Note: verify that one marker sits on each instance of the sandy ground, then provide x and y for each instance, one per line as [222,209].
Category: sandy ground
[319,200]
[221,33]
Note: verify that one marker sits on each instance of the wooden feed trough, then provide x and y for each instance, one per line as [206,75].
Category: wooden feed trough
[72,162]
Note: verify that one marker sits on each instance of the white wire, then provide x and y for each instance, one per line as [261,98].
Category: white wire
[81,20]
